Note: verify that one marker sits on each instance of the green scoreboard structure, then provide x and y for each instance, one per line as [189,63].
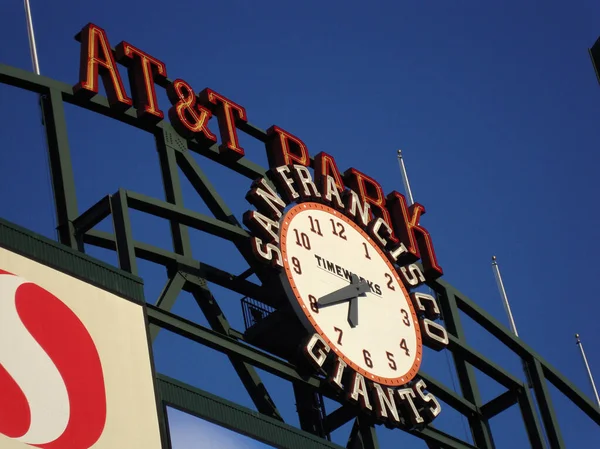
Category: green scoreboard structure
[342,296]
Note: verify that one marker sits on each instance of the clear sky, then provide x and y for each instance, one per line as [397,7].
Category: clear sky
[495,105]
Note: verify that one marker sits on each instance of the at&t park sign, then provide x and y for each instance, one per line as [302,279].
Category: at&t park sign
[344,250]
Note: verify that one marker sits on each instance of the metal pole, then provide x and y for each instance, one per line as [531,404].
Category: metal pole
[31,34]
[36,69]
[587,366]
[503,295]
[407,190]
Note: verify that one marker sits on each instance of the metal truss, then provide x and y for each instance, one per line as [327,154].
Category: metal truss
[76,229]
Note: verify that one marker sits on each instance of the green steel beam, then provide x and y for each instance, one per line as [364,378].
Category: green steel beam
[99,104]
[61,170]
[437,438]
[505,336]
[530,418]
[482,434]
[92,216]
[546,409]
[499,404]
[363,435]
[454,400]
[570,391]
[167,299]
[167,143]
[235,417]
[246,372]
[184,216]
[339,417]
[123,236]
[204,188]
[483,364]
[228,345]
[169,259]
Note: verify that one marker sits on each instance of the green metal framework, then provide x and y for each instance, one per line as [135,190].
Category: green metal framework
[76,229]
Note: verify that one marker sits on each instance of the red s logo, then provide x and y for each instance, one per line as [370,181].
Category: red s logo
[51,382]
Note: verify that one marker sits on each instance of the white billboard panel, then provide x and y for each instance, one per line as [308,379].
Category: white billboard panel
[75,367]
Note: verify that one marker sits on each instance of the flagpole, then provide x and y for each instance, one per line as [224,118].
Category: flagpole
[407,190]
[587,366]
[31,34]
[502,291]
[36,69]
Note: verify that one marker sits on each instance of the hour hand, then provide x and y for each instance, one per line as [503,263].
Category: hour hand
[355,289]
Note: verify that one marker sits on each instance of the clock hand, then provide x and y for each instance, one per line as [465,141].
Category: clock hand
[353,312]
[355,289]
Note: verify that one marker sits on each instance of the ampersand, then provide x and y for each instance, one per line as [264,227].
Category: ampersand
[187,117]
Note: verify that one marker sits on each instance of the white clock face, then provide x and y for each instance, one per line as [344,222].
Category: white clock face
[321,249]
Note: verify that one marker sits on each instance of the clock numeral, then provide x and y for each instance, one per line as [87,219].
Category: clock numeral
[366,251]
[341,332]
[315,226]
[302,239]
[367,357]
[392,363]
[390,279]
[314,306]
[296,264]
[338,229]
[404,346]
[405,319]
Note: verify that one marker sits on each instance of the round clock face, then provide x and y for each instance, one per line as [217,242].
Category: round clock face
[376,332]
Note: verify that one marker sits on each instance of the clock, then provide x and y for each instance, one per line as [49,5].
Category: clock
[343,287]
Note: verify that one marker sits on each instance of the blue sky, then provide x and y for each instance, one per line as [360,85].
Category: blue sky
[495,105]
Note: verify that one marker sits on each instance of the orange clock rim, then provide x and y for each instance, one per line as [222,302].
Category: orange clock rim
[388,381]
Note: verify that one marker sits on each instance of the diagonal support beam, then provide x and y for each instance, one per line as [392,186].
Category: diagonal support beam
[339,417]
[248,375]
[186,217]
[186,265]
[362,436]
[204,188]
[499,404]
[167,299]
[92,216]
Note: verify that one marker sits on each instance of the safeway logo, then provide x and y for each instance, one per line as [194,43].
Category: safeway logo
[51,382]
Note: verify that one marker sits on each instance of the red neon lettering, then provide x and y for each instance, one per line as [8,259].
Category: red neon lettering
[187,117]
[284,148]
[414,236]
[144,71]
[229,114]
[325,165]
[97,58]
[370,192]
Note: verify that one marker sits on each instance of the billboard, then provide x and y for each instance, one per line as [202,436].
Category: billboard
[75,366]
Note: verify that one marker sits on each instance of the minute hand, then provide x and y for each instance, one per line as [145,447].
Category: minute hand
[349,291]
